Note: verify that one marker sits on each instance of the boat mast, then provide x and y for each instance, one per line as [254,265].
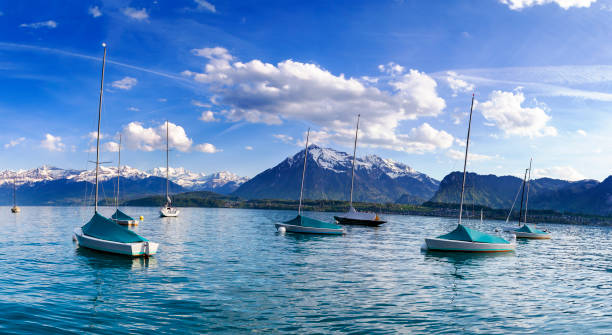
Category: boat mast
[167,166]
[467,145]
[522,197]
[15,191]
[98,137]
[354,152]
[527,195]
[118,174]
[303,173]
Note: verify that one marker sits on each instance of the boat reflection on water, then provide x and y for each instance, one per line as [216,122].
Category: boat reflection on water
[102,260]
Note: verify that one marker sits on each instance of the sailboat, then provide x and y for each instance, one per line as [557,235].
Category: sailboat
[527,231]
[352,216]
[168,210]
[101,233]
[464,239]
[15,208]
[120,217]
[303,224]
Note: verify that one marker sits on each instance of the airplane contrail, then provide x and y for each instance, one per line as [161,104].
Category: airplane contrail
[14,46]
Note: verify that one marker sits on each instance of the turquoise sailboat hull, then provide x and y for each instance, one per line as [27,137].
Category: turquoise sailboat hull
[306,225]
[528,232]
[464,239]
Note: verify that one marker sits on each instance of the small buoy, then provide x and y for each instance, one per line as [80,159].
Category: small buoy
[141,218]
[282,230]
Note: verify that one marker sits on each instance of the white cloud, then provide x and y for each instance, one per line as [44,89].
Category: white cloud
[207,148]
[505,111]
[94,11]
[125,84]
[134,109]
[138,137]
[208,116]
[260,92]
[559,172]
[110,147]
[456,84]
[581,132]
[205,5]
[139,15]
[460,155]
[15,142]
[162,99]
[93,135]
[283,138]
[200,104]
[44,24]
[248,147]
[52,143]
[565,4]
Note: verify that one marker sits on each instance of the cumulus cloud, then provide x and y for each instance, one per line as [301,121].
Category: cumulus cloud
[207,148]
[559,172]
[504,110]
[460,155]
[133,109]
[136,14]
[203,5]
[52,143]
[260,92]
[581,132]
[154,138]
[565,4]
[125,84]
[94,11]
[44,24]
[15,142]
[248,147]
[458,85]
[110,146]
[208,116]
[200,104]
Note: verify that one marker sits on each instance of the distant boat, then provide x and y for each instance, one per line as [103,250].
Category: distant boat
[525,231]
[119,216]
[353,217]
[464,239]
[101,233]
[15,208]
[303,224]
[168,210]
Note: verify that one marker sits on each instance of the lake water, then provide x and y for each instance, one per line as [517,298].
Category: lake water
[228,271]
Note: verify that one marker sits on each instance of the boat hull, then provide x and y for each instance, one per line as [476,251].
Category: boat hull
[127,222]
[15,209]
[532,236]
[439,244]
[136,249]
[348,221]
[309,230]
[169,212]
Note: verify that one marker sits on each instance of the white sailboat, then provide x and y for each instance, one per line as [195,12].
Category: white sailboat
[303,224]
[168,210]
[119,216]
[353,217]
[525,231]
[15,208]
[464,239]
[101,233]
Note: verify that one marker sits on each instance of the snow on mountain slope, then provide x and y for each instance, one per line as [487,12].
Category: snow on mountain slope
[184,178]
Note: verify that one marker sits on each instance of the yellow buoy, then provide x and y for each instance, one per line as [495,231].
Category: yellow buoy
[141,218]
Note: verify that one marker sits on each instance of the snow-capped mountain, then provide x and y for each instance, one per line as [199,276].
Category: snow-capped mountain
[328,177]
[223,182]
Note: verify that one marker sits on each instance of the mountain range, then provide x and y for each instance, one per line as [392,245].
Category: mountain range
[328,176]
[584,196]
[55,186]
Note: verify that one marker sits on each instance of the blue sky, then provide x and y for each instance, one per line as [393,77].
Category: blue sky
[241,81]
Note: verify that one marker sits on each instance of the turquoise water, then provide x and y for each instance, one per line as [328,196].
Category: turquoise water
[228,271]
